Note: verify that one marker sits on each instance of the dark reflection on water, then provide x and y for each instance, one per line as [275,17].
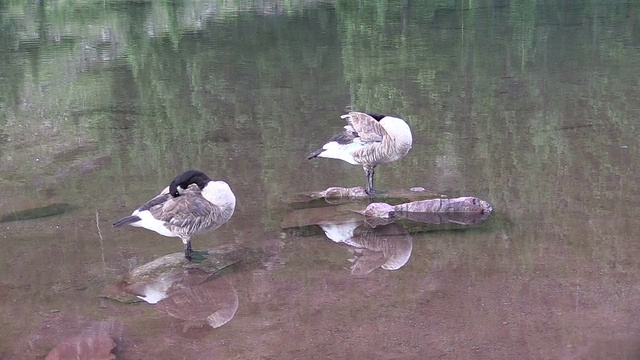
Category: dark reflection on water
[387,246]
[530,105]
[40,212]
[374,242]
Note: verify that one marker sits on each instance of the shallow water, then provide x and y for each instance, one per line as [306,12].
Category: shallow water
[531,106]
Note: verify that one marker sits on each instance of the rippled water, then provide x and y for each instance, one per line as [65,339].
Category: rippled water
[531,106]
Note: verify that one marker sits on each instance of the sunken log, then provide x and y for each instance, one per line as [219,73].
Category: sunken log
[466,205]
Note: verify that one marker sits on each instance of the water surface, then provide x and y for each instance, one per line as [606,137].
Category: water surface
[530,105]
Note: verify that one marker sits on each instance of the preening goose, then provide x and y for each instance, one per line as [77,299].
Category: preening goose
[368,140]
[192,204]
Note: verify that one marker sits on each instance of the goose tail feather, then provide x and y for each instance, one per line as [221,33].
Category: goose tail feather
[315,154]
[126,221]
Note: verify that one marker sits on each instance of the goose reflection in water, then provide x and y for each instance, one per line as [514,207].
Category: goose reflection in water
[190,295]
[387,246]
[374,236]
[196,294]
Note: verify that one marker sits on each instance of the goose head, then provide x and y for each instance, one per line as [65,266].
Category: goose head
[182,181]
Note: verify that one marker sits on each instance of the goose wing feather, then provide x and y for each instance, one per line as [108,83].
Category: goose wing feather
[345,137]
[367,128]
[157,202]
[184,210]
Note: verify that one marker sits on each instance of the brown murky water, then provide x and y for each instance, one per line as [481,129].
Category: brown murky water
[531,106]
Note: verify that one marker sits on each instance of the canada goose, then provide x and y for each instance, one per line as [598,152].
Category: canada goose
[184,210]
[368,140]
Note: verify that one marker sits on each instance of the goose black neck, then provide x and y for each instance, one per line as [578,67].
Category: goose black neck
[187,178]
[378,117]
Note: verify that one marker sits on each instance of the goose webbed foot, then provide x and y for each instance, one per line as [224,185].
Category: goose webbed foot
[187,250]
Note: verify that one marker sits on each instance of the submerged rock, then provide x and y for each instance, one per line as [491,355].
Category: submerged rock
[39,212]
[380,210]
[94,347]
[336,195]
[184,290]
[340,192]
[208,262]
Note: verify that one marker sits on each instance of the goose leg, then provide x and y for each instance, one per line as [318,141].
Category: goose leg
[369,171]
[187,249]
